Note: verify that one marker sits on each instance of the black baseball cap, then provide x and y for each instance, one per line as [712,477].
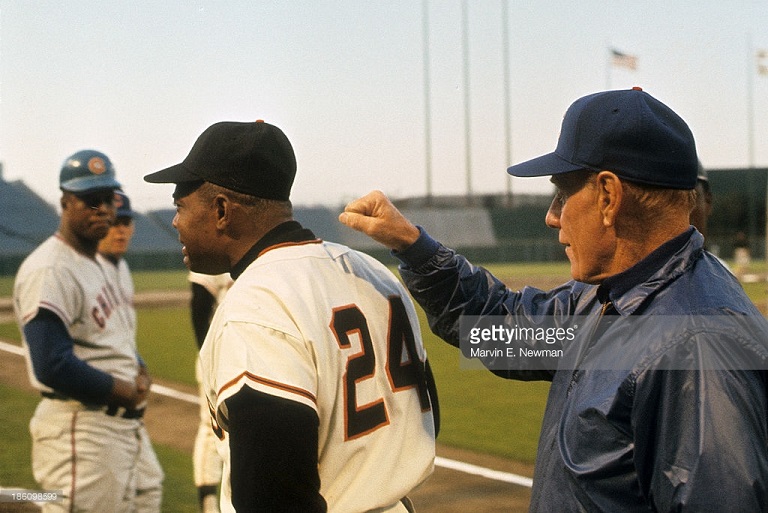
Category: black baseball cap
[252,158]
[628,132]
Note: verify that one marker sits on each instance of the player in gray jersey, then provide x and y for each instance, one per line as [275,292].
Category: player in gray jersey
[78,327]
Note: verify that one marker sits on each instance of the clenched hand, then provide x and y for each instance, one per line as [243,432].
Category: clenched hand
[376,216]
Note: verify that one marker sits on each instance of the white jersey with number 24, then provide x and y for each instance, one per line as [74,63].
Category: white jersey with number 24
[335,330]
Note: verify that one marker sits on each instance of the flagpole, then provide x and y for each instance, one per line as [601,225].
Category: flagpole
[467,120]
[507,101]
[750,106]
[753,64]
[427,102]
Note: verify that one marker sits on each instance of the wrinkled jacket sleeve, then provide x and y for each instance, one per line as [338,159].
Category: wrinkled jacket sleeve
[447,286]
[700,439]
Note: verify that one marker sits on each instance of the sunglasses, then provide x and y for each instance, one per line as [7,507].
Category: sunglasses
[98,198]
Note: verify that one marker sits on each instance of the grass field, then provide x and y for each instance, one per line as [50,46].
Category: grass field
[480,412]
[179,495]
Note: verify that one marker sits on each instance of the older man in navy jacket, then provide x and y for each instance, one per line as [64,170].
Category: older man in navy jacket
[658,399]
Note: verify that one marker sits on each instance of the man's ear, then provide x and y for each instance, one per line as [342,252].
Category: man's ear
[610,195]
[223,211]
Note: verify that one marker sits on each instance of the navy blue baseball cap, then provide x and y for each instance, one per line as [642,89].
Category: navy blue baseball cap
[628,132]
[87,170]
[123,205]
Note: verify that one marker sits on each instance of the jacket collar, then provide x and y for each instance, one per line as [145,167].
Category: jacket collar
[628,290]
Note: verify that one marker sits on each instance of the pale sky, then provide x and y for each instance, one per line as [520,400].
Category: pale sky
[141,79]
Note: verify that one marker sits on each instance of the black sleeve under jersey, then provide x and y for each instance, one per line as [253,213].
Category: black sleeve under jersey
[273,447]
[201,308]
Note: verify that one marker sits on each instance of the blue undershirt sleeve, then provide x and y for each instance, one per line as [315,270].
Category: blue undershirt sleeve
[55,364]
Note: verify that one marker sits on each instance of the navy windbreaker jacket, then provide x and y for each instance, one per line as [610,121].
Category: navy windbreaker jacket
[668,413]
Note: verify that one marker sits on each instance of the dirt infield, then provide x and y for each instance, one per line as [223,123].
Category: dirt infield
[447,491]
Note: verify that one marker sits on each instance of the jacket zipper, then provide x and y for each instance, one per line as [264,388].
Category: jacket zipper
[590,342]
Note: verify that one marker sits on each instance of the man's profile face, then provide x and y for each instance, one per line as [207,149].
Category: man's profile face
[196,221]
[575,214]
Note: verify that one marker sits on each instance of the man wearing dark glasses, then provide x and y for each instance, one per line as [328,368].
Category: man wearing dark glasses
[88,440]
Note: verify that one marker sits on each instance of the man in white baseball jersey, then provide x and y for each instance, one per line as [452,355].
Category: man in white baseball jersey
[208,290]
[78,327]
[314,366]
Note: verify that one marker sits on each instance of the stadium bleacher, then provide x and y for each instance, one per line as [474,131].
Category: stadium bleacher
[27,220]
[482,231]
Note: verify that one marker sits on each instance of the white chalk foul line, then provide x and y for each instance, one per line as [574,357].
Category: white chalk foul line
[476,470]
[460,466]
[10,348]
[175,394]
[160,389]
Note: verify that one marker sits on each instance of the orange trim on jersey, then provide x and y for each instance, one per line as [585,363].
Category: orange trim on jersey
[288,244]
[268,382]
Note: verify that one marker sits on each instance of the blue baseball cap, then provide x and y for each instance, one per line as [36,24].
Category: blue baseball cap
[123,205]
[87,170]
[628,132]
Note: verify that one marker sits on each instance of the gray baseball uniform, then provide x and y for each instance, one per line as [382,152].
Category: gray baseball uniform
[100,457]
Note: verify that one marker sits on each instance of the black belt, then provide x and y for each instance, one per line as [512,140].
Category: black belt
[112,411]
[126,413]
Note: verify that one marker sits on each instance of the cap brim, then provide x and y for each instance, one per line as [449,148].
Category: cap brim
[546,165]
[174,174]
[90,183]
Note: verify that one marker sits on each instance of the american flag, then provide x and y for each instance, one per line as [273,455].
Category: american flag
[623,60]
